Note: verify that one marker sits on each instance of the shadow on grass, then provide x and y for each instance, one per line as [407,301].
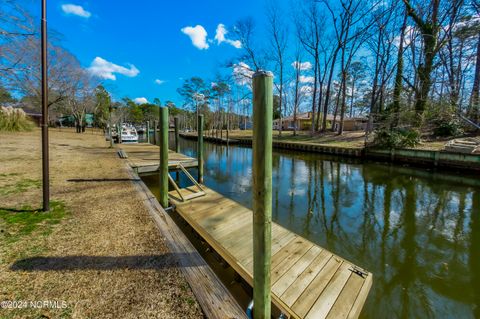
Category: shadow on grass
[168,260]
[81,180]
[20,210]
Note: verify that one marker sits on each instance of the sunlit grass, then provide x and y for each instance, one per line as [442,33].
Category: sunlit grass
[21,222]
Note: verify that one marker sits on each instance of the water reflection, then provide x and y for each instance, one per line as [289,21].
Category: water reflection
[418,232]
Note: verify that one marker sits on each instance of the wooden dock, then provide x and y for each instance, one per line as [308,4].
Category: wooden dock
[307,280]
[145,158]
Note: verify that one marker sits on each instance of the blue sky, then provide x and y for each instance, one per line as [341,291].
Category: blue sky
[147,34]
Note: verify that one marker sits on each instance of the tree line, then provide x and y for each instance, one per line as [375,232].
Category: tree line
[409,66]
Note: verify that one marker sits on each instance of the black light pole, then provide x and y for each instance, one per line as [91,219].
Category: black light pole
[44,124]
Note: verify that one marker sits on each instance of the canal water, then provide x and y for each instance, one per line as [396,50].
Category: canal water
[416,230]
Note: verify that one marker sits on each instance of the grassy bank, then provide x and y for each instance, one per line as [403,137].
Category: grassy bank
[97,250]
[349,139]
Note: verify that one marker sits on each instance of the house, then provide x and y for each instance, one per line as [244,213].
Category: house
[303,122]
[353,124]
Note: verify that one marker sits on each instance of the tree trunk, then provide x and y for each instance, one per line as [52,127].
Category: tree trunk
[314,101]
[397,90]
[327,93]
[474,108]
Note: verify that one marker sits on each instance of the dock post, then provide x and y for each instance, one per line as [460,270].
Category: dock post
[154,132]
[163,168]
[119,137]
[177,144]
[262,191]
[200,148]
[148,132]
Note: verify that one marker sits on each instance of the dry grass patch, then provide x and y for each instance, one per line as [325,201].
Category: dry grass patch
[99,251]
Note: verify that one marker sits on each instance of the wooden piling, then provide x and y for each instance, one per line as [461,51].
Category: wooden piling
[148,132]
[154,132]
[119,137]
[177,143]
[262,191]
[200,148]
[163,168]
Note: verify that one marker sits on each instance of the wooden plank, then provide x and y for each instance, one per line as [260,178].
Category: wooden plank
[281,266]
[308,297]
[289,277]
[293,246]
[303,280]
[219,218]
[227,234]
[278,237]
[330,294]
[361,298]
[343,304]
[282,242]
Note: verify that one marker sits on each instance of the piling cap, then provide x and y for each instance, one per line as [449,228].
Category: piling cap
[263,73]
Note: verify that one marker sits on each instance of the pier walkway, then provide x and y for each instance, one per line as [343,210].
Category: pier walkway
[307,280]
[145,158]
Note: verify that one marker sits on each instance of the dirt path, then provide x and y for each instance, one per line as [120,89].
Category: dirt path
[102,255]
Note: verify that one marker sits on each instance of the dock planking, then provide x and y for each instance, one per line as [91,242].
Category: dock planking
[145,158]
[307,281]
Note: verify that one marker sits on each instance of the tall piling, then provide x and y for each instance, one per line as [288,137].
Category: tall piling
[200,148]
[148,132]
[177,143]
[154,132]
[163,167]
[262,191]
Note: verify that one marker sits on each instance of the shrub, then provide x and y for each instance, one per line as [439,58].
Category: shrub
[396,138]
[14,120]
[448,127]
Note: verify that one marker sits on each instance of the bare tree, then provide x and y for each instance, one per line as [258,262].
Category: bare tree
[474,106]
[25,77]
[279,39]
[430,20]
[244,31]
[309,23]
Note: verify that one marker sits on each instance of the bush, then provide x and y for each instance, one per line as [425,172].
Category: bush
[449,127]
[396,138]
[14,120]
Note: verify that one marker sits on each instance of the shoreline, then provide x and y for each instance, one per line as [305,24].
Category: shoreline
[415,157]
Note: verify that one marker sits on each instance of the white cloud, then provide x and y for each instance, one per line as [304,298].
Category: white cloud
[306,79]
[220,37]
[106,70]
[140,100]
[302,66]
[242,73]
[75,10]
[198,35]
[306,90]
[159,82]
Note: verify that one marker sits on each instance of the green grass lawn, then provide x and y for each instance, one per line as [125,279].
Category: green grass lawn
[17,223]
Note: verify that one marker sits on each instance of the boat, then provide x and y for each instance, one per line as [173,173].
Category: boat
[129,134]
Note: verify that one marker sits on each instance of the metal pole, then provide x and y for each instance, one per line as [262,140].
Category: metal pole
[177,143]
[163,168]
[45,161]
[262,191]
[200,148]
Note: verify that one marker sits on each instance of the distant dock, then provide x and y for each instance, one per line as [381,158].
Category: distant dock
[145,158]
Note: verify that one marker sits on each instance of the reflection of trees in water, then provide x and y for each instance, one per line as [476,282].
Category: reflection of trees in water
[474,250]
[419,236]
